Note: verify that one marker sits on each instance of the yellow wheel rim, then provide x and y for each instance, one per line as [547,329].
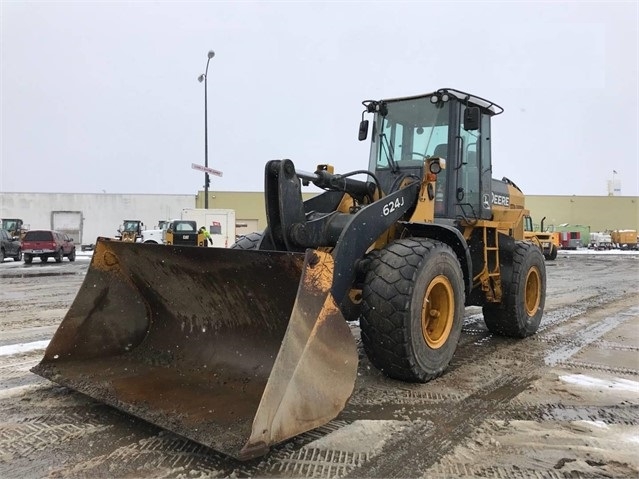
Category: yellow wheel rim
[438,312]
[533,291]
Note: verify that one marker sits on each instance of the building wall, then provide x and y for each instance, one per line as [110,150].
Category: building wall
[102,214]
[601,213]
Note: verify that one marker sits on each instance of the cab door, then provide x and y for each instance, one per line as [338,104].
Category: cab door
[472,168]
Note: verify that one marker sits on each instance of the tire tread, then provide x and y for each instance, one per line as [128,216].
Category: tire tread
[385,320]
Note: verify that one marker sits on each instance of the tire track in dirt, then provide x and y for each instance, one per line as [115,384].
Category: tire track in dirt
[463,417]
[627,415]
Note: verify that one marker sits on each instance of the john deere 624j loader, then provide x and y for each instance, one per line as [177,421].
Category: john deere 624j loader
[242,348]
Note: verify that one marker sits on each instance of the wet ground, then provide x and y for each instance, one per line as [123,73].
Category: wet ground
[561,404]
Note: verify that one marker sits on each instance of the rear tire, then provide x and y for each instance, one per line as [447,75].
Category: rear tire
[1,256]
[44,259]
[553,253]
[524,297]
[250,241]
[412,309]
[59,256]
[28,259]
[18,256]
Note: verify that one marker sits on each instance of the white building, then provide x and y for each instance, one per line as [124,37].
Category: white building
[86,216]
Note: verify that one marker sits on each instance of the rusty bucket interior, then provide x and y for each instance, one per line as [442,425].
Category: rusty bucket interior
[237,350]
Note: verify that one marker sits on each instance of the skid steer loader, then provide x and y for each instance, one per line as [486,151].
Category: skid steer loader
[240,349]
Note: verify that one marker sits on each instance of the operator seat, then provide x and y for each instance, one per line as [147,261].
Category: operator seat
[441,151]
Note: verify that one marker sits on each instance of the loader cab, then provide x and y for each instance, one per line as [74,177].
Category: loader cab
[134,226]
[449,124]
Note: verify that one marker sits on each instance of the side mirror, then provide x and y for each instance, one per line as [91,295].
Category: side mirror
[471,118]
[363,130]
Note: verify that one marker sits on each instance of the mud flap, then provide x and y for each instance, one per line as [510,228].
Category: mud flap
[237,350]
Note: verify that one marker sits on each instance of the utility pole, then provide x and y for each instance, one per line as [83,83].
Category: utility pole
[207,180]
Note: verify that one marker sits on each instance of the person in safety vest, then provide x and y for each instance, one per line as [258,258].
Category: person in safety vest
[207,235]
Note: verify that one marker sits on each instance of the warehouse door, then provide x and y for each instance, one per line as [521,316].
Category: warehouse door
[69,222]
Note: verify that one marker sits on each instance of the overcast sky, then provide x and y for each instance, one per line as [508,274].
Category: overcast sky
[103,96]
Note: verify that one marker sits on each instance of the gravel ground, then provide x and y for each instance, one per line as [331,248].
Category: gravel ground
[561,404]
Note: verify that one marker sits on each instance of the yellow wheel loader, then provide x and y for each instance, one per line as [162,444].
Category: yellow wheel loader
[240,349]
[130,231]
[547,241]
[14,226]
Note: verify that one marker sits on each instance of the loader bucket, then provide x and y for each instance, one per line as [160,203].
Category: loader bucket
[237,350]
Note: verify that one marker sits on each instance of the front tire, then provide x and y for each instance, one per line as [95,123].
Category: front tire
[18,256]
[553,253]
[524,296]
[412,309]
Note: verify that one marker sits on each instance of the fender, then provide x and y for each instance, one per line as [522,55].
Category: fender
[452,237]
[363,229]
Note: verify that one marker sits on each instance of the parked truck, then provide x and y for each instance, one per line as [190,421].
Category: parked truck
[220,224]
[600,241]
[624,239]
[155,235]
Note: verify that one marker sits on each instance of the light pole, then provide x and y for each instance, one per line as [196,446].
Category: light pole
[210,55]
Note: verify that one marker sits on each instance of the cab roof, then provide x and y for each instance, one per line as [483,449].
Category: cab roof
[492,107]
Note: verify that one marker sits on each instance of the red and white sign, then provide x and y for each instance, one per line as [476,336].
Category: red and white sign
[205,169]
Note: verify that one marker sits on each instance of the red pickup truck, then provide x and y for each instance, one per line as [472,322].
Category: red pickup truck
[47,244]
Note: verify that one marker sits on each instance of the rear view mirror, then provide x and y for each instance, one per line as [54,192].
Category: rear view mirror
[363,130]
[471,118]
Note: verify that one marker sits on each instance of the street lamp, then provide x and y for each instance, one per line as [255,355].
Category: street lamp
[201,78]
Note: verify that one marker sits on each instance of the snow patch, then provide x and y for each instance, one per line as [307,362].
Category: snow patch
[19,391]
[599,424]
[614,383]
[363,436]
[22,347]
